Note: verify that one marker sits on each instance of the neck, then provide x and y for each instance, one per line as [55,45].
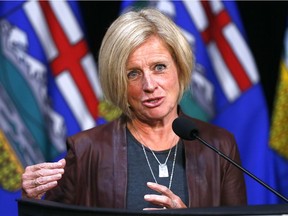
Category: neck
[157,137]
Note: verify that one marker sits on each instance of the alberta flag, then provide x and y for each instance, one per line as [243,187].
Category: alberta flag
[225,85]
[49,87]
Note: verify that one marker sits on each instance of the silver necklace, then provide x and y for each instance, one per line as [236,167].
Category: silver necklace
[173,166]
[163,169]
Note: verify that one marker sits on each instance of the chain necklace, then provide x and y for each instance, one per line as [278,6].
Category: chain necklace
[163,169]
[173,166]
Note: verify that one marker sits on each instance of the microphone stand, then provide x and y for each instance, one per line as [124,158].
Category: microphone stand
[194,134]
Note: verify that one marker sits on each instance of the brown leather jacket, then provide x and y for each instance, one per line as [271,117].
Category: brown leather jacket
[96,169]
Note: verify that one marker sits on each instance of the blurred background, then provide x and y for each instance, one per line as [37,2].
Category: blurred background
[49,84]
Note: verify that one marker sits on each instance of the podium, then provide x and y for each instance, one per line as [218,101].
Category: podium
[32,207]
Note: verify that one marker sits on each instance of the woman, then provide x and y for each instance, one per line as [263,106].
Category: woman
[137,161]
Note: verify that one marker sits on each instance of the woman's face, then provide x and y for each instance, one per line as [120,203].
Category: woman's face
[153,85]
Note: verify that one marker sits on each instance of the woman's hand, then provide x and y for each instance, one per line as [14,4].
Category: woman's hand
[167,199]
[39,178]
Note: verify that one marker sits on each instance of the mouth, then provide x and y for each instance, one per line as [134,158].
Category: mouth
[153,102]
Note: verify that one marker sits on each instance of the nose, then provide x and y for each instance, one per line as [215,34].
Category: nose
[148,83]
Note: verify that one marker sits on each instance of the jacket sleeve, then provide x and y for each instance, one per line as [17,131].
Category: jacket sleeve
[233,189]
[64,192]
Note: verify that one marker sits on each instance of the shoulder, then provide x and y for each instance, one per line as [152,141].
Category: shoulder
[102,134]
[214,135]
[100,130]
[206,128]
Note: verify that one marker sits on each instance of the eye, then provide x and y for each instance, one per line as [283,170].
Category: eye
[160,67]
[133,74]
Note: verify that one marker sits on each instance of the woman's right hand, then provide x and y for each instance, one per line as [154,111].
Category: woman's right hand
[38,179]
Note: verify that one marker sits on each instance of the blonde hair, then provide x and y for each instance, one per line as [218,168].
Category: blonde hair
[124,35]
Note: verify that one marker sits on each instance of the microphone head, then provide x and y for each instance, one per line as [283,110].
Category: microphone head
[184,128]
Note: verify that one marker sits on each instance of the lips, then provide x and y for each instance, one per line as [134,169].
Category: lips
[153,102]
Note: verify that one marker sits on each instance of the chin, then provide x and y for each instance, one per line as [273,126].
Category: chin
[157,114]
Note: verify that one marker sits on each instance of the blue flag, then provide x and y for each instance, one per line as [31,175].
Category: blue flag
[49,87]
[225,85]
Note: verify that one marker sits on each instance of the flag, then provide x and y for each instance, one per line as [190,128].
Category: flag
[225,84]
[49,87]
[279,128]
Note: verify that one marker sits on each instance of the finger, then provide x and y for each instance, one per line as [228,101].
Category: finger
[160,189]
[47,165]
[41,173]
[48,172]
[47,179]
[165,201]
[157,199]
[163,208]
[37,187]
[40,181]
[44,169]
[40,196]
[39,191]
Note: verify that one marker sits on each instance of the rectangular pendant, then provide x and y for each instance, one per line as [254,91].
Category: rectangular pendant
[163,171]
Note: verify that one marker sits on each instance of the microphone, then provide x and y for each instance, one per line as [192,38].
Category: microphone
[187,130]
